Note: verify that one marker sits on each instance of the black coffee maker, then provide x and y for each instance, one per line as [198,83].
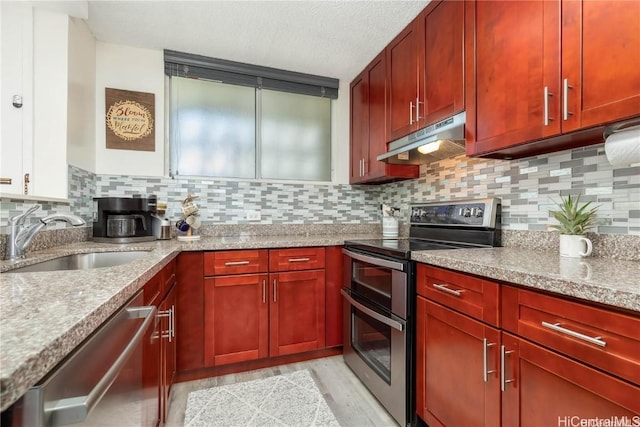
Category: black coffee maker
[124,219]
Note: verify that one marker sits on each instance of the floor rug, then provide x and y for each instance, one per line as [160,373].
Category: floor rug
[283,400]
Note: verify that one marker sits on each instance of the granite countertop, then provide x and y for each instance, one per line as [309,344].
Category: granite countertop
[603,280]
[45,315]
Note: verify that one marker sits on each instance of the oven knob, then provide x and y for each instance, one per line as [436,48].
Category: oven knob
[466,212]
[479,213]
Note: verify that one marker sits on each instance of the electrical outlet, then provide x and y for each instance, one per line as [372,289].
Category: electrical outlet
[253,215]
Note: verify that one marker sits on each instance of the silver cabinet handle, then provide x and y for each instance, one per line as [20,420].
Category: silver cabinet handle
[418,109]
[565,99]
[172,323]
[379,317]
[411,112]
[167,333]
[485,368]
[76,409]
[6,181]
[299,259]
[264,291]
[362,167]
[374,260]
[503,380]
[547,94]
[444,288]
[232,263]
[593,340]
[275,291]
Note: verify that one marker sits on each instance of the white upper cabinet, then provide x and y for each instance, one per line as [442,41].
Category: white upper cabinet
[35,67]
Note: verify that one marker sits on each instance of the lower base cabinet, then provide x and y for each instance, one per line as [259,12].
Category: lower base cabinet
[457,368]
[527,370]
[260,304]
[544,388]
[167,311]
[236,319]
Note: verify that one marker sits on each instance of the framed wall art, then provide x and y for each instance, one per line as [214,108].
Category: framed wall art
[130,120]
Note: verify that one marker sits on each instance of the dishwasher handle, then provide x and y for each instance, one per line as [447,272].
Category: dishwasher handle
[76,409]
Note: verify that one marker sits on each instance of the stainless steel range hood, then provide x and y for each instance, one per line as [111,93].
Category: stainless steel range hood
[422,147]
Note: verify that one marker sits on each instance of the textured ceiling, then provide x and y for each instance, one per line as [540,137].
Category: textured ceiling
[329,38]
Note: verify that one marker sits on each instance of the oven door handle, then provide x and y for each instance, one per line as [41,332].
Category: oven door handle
[374,260]
[379,317]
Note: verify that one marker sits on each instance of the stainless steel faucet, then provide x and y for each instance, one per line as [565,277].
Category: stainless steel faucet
[21,236]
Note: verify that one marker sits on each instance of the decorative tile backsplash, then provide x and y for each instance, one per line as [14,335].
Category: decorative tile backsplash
[528,188]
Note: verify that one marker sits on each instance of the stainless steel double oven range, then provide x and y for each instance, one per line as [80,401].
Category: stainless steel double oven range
[379,295]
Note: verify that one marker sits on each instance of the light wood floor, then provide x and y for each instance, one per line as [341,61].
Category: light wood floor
[352,404]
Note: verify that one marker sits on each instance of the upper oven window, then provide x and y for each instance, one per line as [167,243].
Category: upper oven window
[372,282]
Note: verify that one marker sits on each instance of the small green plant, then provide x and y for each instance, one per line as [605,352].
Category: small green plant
[572,218]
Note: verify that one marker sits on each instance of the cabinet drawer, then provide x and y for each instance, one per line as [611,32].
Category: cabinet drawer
[153,290]
[601,338]
[169,272]
[470,295]
[235,262]
[296,259]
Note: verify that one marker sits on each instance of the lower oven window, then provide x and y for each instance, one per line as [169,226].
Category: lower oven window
[371,339]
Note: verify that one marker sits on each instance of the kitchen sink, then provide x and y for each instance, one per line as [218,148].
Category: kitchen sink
[82,261]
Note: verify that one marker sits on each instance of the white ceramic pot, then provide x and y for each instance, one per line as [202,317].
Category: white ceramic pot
[575,246]
[389,226]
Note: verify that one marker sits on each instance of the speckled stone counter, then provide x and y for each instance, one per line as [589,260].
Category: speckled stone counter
[45,315]
[603,280]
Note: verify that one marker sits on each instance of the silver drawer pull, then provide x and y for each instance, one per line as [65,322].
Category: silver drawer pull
[298,259]
[232,263]
[593,340]
[443,288]
[485,369]
[503,376]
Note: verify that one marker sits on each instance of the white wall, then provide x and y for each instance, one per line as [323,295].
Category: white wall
[129,68]
[81,123]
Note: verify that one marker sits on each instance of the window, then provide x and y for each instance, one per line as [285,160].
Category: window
[226,125]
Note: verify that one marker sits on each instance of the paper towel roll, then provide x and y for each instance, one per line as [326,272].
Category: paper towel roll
[623,147]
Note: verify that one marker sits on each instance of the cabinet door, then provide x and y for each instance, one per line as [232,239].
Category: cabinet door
[545,388]
[297,312]
[600,62]
[236,319]
[359,127]
[168,353]
[190,310]
[377,82]
[517,79]
[457,368]
[296,259]
[402,78]
[443,30]
[151,382]
[334,273]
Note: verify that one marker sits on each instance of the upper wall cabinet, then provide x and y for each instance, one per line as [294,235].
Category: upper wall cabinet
[544,76]
[34,101]
[368,130]
[425,69]
[442,77]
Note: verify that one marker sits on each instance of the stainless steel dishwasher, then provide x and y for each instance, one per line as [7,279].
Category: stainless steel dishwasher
[100,383]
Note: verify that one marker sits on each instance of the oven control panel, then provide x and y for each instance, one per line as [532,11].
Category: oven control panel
[471,213]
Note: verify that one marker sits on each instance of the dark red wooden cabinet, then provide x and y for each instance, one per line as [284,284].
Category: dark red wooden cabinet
[236,320]
[540,74]
[403,95]
[190,311]
[168,336]
[368,128]
[333,299]
[519,357]
[441,61]
[296,312]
